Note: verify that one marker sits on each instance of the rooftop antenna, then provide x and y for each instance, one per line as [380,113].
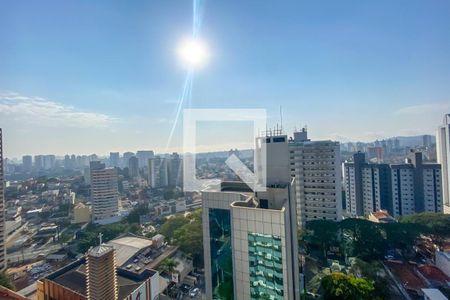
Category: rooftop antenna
[100,236]
[281,117]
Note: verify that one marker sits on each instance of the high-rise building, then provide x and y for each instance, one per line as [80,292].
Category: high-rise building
[157,172]
[39,162]
[126,158]
[367,186]
[443,158]
[397,144]
[27,163]
[2,211]
[104,192]
[67,162]
[316,165]
[250,238]
[133,167]
[427,140]
[114,159]
[353,184]
[101,279]
[175,170]
[143,156]
[401,189]
[87,175]
[376,153]
[49,162]
[416,187]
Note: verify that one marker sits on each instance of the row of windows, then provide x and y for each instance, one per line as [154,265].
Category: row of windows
[265,260]
[320,193]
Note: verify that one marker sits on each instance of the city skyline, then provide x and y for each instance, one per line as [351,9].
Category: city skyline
[222,148]
[112,81]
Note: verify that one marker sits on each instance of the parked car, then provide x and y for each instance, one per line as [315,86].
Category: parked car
[185,288]
[194,292]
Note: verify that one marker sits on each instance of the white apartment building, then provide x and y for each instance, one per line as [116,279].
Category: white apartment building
[371,190]
[432,189]
[158,172]
[443,158]
[2,211]
[104,192]
[316,165]
[401,189]
[350,189]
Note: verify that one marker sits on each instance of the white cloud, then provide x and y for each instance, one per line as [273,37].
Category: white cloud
[37,110]
[436,107]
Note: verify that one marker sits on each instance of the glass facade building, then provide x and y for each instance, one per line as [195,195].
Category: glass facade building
[265,265]
[221,259]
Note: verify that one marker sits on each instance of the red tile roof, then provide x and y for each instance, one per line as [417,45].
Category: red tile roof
[405,274]
[433,273]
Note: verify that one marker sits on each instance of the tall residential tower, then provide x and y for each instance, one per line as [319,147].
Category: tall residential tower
[316,166]
[401,189]
[2,211]
[104,193]
[443,158]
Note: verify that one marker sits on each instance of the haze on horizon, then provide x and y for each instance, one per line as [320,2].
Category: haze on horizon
[83,77]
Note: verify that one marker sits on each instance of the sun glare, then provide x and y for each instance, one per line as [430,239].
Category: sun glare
[193,53]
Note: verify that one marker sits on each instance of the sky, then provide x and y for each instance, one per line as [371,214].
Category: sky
[98,76]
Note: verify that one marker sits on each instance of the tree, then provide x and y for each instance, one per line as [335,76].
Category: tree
[168,265]
[434,223]
[372,271]
[5,280]
[402,236]
[190,238]
[172,224]
[365,239]
[321,234]
[134,215]
[346,287]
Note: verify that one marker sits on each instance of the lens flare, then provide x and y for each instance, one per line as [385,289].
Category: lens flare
[193,53]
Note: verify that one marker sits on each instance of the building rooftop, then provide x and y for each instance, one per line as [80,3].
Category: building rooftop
[80,205]
[444,254]
[406,275]
[100,250]
[434,274]
[382,216]
[434,294]
[7,294]
[128,246]
[235,186]
[137,254]
[402,166]
[313,143]
[73,277]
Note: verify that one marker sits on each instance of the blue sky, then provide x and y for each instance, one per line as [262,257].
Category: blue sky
[98,76]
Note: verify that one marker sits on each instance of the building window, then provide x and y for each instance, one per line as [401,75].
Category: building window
[220,246]
[265,266]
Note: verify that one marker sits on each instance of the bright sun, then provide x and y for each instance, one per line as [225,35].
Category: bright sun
[194,53]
